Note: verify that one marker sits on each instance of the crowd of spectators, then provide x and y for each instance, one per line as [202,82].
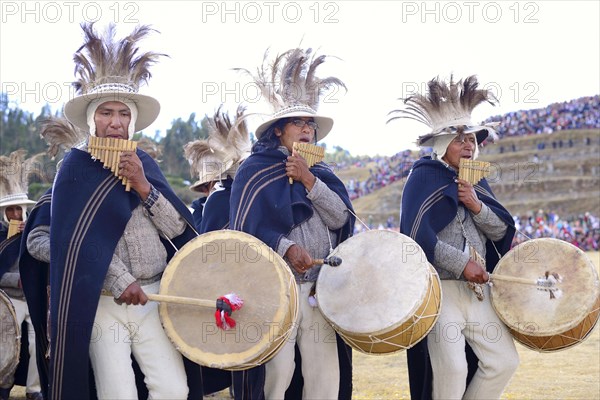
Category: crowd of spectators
[582,231]
[582,113]
[386,170]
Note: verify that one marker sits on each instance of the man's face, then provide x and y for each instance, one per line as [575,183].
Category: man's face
[462,146]
[112,120]
[293,133]
[14,213]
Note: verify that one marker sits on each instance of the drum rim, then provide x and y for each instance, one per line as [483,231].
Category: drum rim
[567,327]
[12,364]
[254,353]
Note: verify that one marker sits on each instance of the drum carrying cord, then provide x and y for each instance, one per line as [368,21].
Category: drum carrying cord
[172,244]
[359,220]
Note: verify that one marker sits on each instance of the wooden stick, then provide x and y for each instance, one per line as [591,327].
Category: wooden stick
[507,278]
[182,300]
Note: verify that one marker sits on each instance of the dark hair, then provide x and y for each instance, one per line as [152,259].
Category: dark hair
[269,140]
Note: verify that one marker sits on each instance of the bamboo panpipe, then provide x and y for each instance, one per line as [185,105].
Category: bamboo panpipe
[473,171]
[13,228]
[108,152]
[310,152]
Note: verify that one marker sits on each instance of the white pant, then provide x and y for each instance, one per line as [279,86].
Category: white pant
[318,347]
[463,316]
[33,378]
[120,330]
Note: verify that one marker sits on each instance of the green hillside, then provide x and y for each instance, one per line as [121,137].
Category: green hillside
[564,179]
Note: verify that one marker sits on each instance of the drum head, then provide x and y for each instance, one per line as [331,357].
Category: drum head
[530,310]
[218,263]
[10,337]
[382,283]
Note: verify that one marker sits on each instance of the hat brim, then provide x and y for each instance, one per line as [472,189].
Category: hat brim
[481,132]
[17,202]
[325,123]
[148,108]
[196,186]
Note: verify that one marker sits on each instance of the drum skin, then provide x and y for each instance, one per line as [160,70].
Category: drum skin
[384,297]
[218,263]
[10,341]
[536,320]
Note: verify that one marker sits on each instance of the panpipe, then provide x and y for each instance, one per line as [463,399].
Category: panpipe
[108,152]
[310,152]
[13,228]
[473,171]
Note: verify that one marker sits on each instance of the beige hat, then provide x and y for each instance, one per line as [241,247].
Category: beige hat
[111,70]
[15,171]
[291,88]
[447,106]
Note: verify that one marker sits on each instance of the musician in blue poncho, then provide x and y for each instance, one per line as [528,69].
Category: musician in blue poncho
[14,173]
[108,246]
[463,230]
[300,218]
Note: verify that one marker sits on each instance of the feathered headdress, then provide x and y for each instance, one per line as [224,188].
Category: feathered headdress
[150,147]
[15,172]
[219,155]
[446,107]
[59,133]
[111,70]
[292,88]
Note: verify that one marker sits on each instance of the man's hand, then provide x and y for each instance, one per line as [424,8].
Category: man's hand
[134,294]
[299,258]
[474,272]
[21,227]
[467,196]
[130,167]
[297,169]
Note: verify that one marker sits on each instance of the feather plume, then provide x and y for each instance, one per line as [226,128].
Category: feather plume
[60,133]
[196,153]
[15,172]
[445,104]
[150,147]
[291,79]
[102,59]
[227,144]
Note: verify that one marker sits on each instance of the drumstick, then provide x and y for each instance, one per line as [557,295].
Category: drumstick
[332,261]
[224,305]
[182,300]
[546,282]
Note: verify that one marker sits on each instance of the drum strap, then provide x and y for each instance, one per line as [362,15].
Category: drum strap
[477,288]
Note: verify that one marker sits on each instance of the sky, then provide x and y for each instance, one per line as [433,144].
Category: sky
[529,53]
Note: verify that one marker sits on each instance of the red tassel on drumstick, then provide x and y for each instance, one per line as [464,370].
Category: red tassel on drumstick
[225,306]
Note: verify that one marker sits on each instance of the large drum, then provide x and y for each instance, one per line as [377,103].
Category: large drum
[547,318]
[218,263]
[10,343]
[384,297]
